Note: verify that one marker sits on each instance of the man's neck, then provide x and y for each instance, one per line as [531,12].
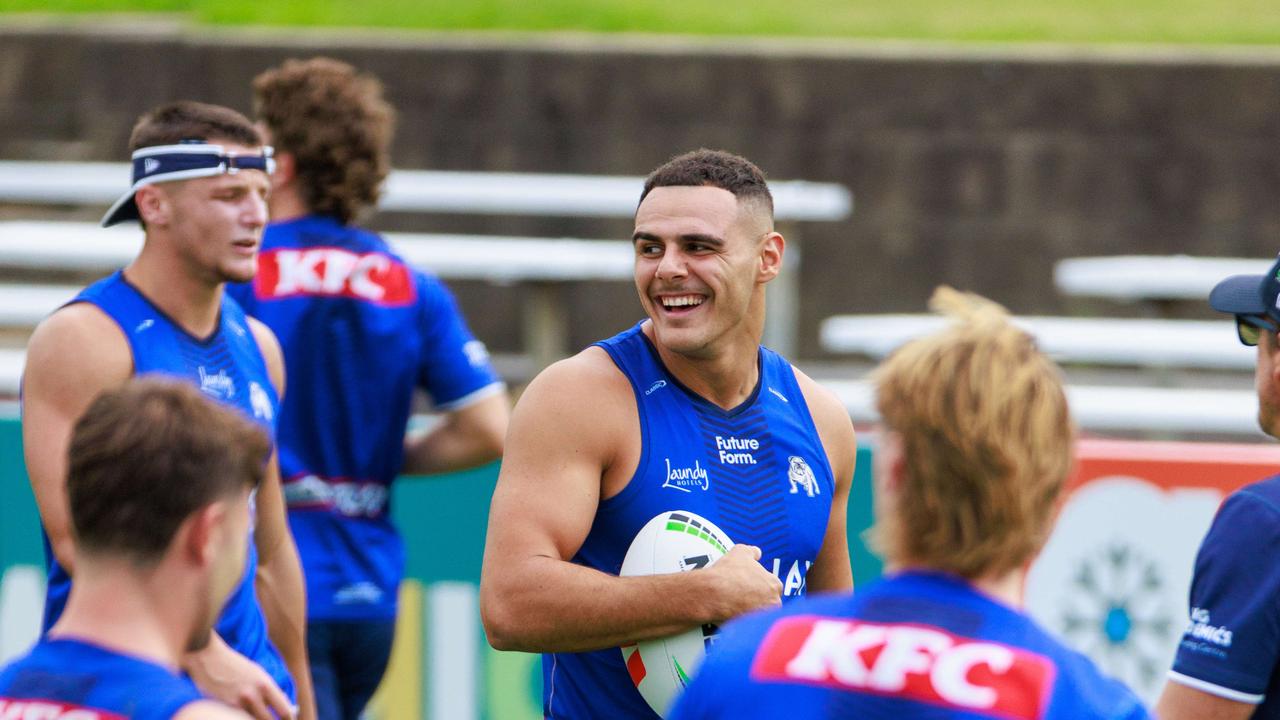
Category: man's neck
[120,612]
[1007,588]
[286,203]
[725,378]
[191,301]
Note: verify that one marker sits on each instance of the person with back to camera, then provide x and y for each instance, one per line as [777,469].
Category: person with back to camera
[974,450]
[158,483]
[597,439]
[1226,666]
[200,181]
[360,330]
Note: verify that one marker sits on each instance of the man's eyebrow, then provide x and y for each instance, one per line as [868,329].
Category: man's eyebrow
[703,238]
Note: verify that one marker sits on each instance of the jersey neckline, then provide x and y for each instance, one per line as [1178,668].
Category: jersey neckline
[206,341]
[694,397]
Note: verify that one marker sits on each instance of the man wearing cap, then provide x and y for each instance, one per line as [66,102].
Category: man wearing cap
[1226,665]
[200,181]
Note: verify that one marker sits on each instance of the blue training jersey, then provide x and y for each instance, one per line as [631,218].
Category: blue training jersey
[758,471]
[360,330]
[66,679]
[227,366]
[915,646]
[1232,641]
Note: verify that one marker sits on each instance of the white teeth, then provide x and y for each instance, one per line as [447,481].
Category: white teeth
[682,301]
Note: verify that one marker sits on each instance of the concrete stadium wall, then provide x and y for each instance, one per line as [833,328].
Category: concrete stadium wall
[973,167]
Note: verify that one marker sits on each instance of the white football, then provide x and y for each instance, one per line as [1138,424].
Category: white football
[673,541]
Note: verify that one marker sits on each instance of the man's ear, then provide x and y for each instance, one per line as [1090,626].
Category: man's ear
[155,207]
[202,533]
[772,249]
[1271,344]
[890,443]
[286,170]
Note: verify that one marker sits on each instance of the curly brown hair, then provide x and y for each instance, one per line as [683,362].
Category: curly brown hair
[335,124]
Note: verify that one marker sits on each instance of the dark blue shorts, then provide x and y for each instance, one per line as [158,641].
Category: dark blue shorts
[348,659]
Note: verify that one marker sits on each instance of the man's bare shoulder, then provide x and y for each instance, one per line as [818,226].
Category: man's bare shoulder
[584,397]
[589,374]
[79,341]
[80,320]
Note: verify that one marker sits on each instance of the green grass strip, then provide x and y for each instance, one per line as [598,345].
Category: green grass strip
[1079,21]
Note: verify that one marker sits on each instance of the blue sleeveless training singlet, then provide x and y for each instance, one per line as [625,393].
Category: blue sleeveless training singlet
[227,366]
[758,471]
[69,679]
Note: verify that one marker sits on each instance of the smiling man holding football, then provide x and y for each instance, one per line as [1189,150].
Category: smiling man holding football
[684,411]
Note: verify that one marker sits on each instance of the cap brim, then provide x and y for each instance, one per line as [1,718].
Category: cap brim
[124,209]
[1239,295]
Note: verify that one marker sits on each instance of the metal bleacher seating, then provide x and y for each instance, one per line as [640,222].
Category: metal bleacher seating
[540,264]
[1149,278]
[1151,345]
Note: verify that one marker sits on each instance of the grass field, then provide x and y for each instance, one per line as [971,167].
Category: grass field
[1071,21]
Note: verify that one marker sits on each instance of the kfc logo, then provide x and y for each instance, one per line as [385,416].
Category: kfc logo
[333,272]
[912,661]
[50,710]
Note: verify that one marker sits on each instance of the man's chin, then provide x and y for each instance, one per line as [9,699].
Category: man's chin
[239,275]
[682,341]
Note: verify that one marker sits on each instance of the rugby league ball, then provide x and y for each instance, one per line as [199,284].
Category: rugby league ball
[673,541]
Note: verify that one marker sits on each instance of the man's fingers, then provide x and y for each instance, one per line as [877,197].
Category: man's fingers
[755,551]
[279,702]
[252,704]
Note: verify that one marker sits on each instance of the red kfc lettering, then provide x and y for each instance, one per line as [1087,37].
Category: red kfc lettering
[333,272]
[338,265]
[50,710]
[363,275]
[918,662]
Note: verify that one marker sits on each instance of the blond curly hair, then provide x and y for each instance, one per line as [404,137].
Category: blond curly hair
[986,442]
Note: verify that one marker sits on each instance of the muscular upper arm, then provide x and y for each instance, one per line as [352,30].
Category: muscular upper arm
[562,439]
[61,378]
[831,569]
[1179,702]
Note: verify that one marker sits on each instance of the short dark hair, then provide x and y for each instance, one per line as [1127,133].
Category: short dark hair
[335,124]
[713,168]
[174,122]
[148,454]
